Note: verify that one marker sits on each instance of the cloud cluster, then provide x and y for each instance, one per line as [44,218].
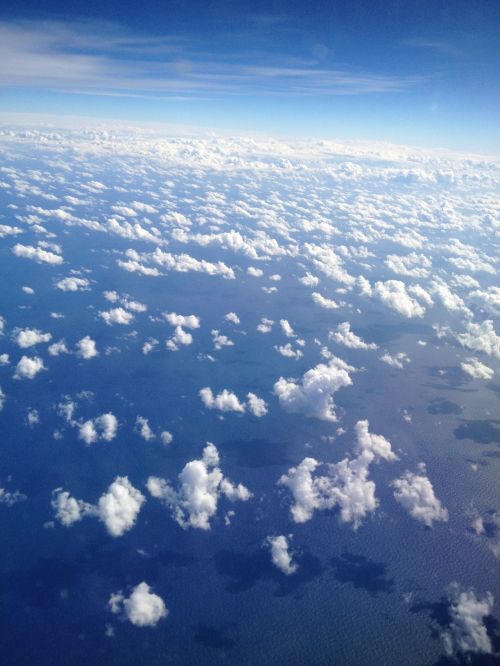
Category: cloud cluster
[142,607]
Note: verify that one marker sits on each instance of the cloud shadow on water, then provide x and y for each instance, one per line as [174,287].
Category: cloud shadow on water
[362,573]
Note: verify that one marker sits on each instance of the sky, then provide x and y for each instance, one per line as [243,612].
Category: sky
[422,73]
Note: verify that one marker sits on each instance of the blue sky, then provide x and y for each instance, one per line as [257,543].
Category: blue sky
[414,72]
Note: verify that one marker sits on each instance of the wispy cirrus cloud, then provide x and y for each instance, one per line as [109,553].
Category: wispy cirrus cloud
[89,57]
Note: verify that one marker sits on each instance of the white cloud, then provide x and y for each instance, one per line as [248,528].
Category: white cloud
[178,339]
[142,608]
[287,329]
[166,437]
[481,337]
[58,348]
[149,345]
[467,633]
[201,484]
[393,294]
[119,507]
[29,337]
[476,369]
[143,428]
[186,321]
[104,427]
[416,494]
[69,510]
[314,395]
[28,368]
[345,485]
[9,498]
[395,360]
[265,326]
[411,265]
[326,303]
[256,406]
[344,336]
[288,351]
[2,399]
[37,254]
[117,316]
[220,340]
[73,284]
[86,348]
[232,317]
[255,272]
[281,555]
[225,401]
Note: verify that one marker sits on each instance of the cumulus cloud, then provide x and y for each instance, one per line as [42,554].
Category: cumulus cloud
[466,633]
[481,337]
[313,396]
[180,338]
[58,348]
[393,294]
[144,429]
[416,494]
[288,351]
[201,484]
[232,317]
[256,406]
[86,348]
[395,360]
[73,284]
[142,607]
[280,554]
[220,340]
[11,497]
[103,427]
[38,254]
[28,368]
[186,321]
[476,369]
[345,485]
[117,316]
[344,336]
[225,401]
[29,337]
[117,508]
[326,303]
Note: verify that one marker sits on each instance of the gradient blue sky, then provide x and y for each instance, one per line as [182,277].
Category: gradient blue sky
[423,72]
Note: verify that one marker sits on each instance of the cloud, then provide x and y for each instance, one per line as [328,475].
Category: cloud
[467,633]
[221,341]
[232,317]
[186,321]
[201,484]
[256,406]
[58,348]
[287,329]
[225,401]
[344,336]
[104,427]
[393,294]
[281,555]
[313,397]
[326,303]
[345,485]
[38,254]
[415,493]
[481,337]
[178,339]
[142,608]
[117,508]
[476,369]
[73,284]
[117,316]
[143,428]
[86,348]
[29,337]
[288,351]
[28,368]
[395,360]
[9,498]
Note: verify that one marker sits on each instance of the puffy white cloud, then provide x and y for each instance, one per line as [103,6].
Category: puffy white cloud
[119,507]
[287,329]
[314,395]
[393,294]
[232,317]
[201,484]
[142,608]
[344,336]
[476,369]
[467,633]
[37,254]
[288,351]
[395,360]
[104,427]
[86,348]
[345,485]
[256,406]
[58,348]
[265,326]
[411,265]
[281,555]
[29,337]
[178,339]
[149,345]
[166,437]
[69,510]
[144,429]
[416,494]
[2,399]
[73,284]
[255,272]
[186,321]
[481,337]
[117,316]
[221,340]
[28,290]
[9,498]
[28,368]
[225,401]
[326,303]
[309,280]
[4,359]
